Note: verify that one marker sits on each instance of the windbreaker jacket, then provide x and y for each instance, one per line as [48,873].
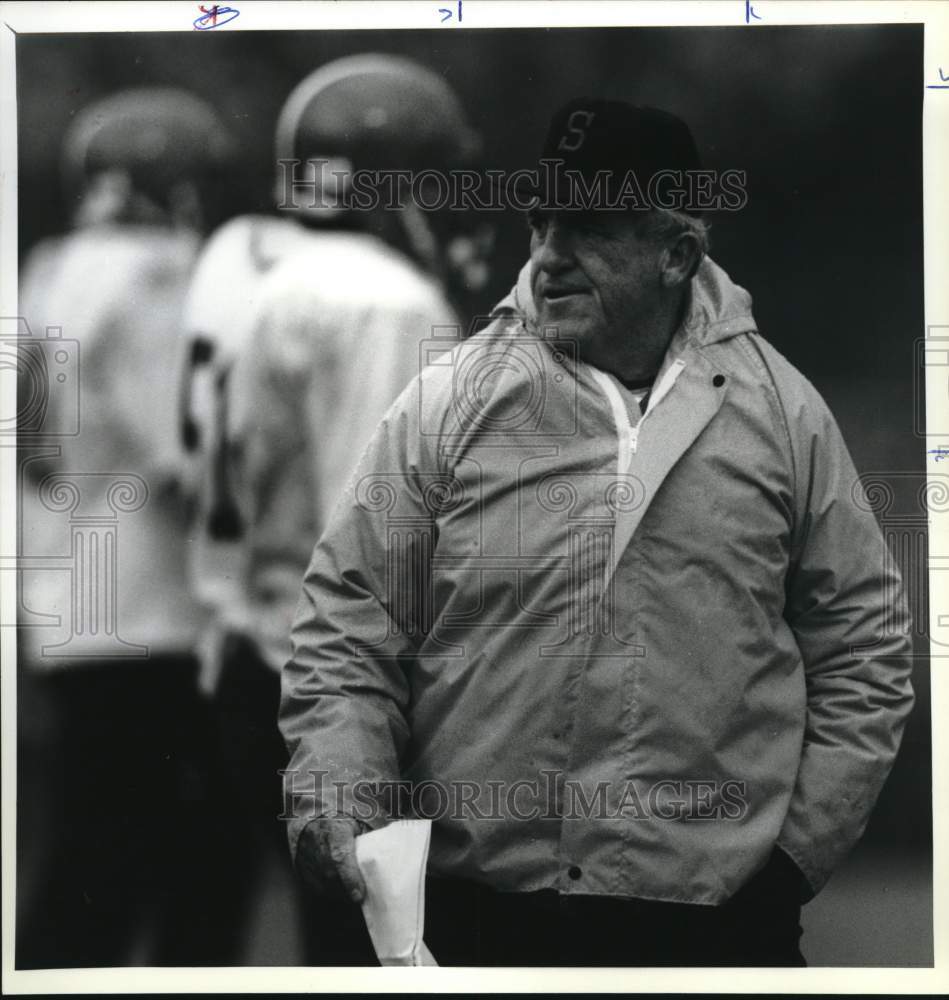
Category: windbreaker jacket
[611,657]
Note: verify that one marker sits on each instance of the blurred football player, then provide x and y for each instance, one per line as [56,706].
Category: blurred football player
[121,783]
[303,331]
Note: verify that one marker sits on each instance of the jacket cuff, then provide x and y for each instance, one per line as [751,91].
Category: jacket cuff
[295,828]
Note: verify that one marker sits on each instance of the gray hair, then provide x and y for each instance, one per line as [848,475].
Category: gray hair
[663,225]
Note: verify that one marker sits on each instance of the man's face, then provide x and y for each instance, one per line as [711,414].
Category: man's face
[594,280]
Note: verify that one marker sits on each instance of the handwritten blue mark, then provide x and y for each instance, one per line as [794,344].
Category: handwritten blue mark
[214,17]
[750,13]
[941,452]
[939,86]
[448,14]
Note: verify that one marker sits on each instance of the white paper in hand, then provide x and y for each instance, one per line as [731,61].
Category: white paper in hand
[392,861]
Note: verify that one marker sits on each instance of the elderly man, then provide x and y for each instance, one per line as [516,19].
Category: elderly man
[605,597]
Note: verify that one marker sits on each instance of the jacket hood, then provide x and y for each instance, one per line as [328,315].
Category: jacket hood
[720,309]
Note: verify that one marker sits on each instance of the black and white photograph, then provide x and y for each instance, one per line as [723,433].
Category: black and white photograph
[472,494]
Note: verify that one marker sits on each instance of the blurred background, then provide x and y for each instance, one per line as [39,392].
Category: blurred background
[827,123]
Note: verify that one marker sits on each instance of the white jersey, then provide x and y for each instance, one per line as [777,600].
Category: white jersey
[223,297]
[216,328]
[103,518]
[341,326]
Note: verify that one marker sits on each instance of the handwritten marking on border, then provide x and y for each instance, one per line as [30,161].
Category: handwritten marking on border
[448,13]
[214,17]
[944,85]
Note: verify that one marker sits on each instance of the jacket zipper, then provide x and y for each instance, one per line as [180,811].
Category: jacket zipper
[627,434]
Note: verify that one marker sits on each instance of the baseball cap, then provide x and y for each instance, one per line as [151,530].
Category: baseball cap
[612,154]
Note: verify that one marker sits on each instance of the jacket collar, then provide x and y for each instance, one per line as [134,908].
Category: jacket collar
[718,310]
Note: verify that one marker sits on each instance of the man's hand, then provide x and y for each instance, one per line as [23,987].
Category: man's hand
[326,857]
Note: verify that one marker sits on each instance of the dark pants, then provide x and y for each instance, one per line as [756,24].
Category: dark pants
[478,927]
[118,793]
[249,753]
[470,925]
